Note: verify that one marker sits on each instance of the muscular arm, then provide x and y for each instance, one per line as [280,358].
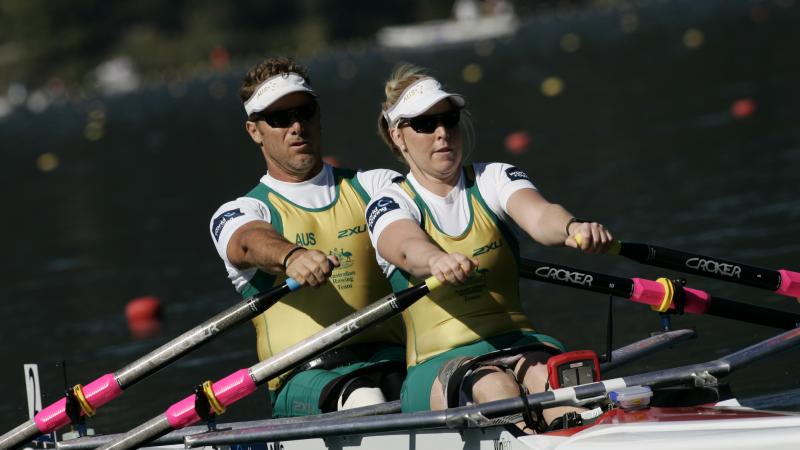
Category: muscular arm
[257,244]
[542,220]
[546,223]
[404,244]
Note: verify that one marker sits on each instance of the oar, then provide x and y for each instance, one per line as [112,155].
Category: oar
[109,386]
[243,382]
[783,281]
[482,415]
[662,295]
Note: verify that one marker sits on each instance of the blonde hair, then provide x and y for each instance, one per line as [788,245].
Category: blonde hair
[403,76]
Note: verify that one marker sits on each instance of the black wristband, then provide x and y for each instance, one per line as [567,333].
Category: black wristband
[290,253]
[574,220]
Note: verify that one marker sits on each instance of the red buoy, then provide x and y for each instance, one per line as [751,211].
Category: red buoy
[144,316]
[518,142]
[743,108]
[219,57]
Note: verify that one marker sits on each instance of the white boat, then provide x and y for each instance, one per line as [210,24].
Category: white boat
[702,428]
[445,32]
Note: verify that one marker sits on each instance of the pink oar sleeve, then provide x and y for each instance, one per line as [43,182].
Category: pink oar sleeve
[97,393]
[227,390]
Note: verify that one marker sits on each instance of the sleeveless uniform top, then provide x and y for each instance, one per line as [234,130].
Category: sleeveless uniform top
[338,229]
[486,305]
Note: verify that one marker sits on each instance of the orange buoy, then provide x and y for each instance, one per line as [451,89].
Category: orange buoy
[743,108]
[144,316]
[518,141]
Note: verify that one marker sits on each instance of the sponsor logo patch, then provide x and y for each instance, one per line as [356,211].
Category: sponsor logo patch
[222,219]
[379,208]
[514,174]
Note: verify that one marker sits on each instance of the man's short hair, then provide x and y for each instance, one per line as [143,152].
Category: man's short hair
[268,68]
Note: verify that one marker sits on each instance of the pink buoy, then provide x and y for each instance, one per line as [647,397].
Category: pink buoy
[518,142]
[743,108]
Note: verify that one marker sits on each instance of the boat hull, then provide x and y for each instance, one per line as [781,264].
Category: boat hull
[651,428]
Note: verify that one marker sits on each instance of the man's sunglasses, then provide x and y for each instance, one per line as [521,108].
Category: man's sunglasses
[286,117]
[428,124]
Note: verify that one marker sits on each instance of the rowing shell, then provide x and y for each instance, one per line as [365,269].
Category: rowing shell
[728,428]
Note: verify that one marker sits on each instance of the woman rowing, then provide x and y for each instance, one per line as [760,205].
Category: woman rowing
[452,221]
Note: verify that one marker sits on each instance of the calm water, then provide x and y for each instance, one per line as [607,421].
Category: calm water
[641,138]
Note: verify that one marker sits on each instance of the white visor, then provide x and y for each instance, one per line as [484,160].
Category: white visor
[274,88]
[418,98]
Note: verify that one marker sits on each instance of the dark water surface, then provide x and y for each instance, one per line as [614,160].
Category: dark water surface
[641,138]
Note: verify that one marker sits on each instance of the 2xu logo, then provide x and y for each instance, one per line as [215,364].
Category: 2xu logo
[352,231]
[487,248]
[715,267]
[564,275]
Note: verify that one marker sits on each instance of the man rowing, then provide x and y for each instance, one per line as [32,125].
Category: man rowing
[449,220]
[305,220]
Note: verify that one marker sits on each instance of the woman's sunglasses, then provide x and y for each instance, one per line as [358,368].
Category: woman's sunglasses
[286,117]
[428,124]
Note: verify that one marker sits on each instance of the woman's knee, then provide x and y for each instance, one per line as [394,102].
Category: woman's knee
[492,383]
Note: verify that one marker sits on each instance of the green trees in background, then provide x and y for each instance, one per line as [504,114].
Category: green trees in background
[42,40]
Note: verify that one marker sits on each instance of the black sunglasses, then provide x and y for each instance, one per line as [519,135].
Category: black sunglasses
[428,124]
[286,117]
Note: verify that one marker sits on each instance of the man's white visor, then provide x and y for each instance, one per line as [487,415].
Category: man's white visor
[418,98]
[273,88]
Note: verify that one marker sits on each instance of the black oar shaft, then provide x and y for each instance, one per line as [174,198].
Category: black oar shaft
[646,291]
[702,265]
[746,312]
[575,278]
